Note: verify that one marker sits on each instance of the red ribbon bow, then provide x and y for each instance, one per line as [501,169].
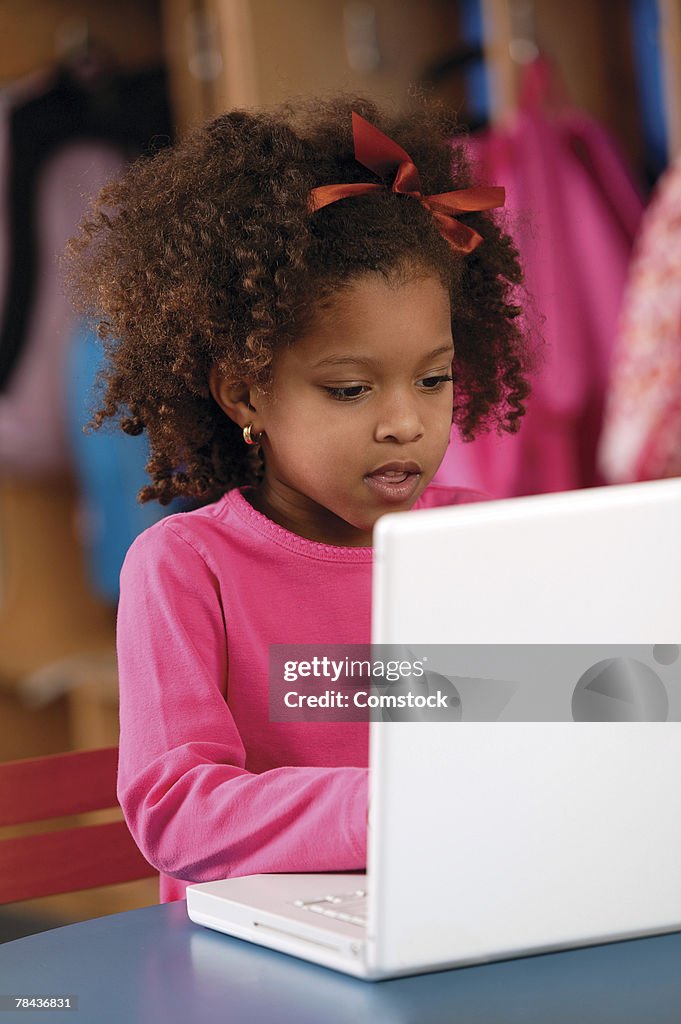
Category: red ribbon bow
[380,154]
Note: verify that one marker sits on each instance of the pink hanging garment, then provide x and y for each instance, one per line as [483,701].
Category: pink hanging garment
[574,212]
[33,426]
[641,438]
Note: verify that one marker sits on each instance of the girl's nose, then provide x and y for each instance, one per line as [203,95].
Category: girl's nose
[399,420]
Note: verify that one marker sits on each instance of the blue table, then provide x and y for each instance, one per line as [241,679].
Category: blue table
[154,965]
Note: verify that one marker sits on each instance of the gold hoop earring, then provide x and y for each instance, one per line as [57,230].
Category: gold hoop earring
[247,434]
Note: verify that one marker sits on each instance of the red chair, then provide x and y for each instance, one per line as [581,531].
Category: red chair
[82,857]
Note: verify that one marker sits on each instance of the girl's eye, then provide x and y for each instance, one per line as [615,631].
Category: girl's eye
[346,394]
[434,383]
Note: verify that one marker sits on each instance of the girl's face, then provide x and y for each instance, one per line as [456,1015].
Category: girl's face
[360,412]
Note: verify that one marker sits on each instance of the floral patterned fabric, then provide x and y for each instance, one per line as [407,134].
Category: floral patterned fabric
[641,437]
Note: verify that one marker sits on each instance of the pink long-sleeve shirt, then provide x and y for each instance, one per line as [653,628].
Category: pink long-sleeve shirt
[209,787]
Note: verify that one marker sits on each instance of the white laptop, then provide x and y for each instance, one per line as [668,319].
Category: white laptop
[498,838]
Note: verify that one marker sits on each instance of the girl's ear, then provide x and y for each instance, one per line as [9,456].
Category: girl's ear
[233,397]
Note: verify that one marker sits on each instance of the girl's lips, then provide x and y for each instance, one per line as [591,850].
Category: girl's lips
[393,486]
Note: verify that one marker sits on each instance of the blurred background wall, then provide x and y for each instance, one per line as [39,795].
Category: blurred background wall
[85,86]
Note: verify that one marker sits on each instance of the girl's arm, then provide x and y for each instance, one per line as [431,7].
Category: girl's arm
[194,810]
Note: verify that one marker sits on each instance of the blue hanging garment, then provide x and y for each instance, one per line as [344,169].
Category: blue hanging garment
[109,466]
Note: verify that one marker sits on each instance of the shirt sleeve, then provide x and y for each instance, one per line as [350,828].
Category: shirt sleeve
[194,810]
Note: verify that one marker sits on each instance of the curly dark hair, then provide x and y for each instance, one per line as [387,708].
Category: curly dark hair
[205,254]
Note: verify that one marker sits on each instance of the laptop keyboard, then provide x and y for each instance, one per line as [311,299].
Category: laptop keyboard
[349,907]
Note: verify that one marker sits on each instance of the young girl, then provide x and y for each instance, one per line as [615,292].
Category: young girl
[288,343]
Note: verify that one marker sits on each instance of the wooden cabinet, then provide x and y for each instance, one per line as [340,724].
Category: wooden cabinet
[35,33]
[259,52]
[227,53]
